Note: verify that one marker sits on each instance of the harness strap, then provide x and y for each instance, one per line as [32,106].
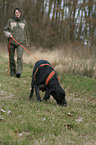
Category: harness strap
[39,67]
[45,64]
[49,77]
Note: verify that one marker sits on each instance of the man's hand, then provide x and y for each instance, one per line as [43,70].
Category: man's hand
[11,36]
[27,44]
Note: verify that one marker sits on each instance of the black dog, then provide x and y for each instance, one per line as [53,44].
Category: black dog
[45,78]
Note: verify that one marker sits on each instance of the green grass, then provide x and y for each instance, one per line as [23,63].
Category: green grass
[46,123]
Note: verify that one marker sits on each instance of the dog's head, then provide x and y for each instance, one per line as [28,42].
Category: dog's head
[59,95]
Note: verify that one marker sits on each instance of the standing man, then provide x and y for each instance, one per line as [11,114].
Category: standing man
[16,27]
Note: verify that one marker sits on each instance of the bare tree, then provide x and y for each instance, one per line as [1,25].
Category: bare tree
[54,22]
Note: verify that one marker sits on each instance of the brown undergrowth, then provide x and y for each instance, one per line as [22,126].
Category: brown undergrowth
[74,59]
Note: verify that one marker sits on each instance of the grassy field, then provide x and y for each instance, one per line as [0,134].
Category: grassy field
[27,122]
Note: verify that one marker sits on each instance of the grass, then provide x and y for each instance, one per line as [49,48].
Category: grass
[28,122]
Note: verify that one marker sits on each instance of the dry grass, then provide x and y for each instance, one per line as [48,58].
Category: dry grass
[68,59]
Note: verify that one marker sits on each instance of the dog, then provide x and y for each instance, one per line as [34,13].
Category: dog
[45,78]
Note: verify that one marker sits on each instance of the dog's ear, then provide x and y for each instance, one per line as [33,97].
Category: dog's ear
[60,92]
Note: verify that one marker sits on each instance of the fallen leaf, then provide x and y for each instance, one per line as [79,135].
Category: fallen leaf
[24,133]
[79,119]
[69,126]
[3,111]
[43,119]
[1,119]
[9,112]
[71,142]
[70,114]
[20,134]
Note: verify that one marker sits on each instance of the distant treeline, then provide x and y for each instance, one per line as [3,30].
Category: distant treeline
[54,22]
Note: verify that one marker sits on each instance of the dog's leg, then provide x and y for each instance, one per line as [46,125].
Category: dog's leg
[47,94]
[32,89]
[37,94]
[31,93]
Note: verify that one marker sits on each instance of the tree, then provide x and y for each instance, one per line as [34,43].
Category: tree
[55,22]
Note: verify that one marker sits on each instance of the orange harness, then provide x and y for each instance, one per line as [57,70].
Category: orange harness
[49,76]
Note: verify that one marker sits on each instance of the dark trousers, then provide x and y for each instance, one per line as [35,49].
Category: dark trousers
[13,65]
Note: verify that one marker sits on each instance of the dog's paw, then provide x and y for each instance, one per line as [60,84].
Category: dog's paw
[29,97]
[65,105]
[39,101]
[44,99]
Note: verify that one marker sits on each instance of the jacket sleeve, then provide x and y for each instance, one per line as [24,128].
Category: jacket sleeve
[7,29]
[26,35]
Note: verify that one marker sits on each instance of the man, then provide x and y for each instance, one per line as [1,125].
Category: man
[16,27]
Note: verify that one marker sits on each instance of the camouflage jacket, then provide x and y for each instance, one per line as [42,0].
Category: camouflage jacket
[18,29]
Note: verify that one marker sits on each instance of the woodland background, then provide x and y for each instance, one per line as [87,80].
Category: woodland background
[54,23]
[60,31]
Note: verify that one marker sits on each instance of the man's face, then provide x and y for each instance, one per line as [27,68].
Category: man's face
[17,14]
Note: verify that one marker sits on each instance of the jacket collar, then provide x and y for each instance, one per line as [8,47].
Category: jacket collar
[17,19]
